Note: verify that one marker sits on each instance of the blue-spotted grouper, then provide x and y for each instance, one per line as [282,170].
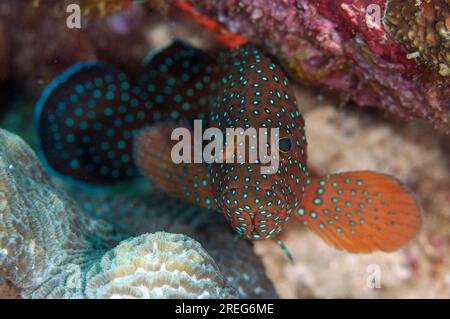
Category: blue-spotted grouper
[98,125]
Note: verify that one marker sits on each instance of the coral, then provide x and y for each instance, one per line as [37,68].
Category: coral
[332,44]
[323,43]
[235,258]
[159,265]
[423,29]
[51,248]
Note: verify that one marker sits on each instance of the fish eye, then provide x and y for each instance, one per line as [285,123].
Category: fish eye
[284,144]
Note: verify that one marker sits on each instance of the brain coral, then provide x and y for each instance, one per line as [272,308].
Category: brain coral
[33,244]
[235,257]
[159,265]
[51,248]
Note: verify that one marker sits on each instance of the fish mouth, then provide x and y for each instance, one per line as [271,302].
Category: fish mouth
[254,213]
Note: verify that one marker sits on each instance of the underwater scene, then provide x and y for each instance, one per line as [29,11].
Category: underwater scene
[224,149]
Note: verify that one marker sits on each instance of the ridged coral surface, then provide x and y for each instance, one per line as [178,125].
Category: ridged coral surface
[44,239]
[159,265]
[26,247]
[51,248]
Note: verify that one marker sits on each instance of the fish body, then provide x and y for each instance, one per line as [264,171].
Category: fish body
[88,116]
[256,93]
[97,125]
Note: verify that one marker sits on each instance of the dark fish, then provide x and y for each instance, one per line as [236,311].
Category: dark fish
[97,125]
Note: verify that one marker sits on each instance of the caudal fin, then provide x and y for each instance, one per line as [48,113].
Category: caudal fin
[87,118]
[81,121]
[360,211]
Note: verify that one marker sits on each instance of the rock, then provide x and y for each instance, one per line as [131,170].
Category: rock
[337,45]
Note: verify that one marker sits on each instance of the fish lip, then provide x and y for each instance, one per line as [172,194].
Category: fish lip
[253,216]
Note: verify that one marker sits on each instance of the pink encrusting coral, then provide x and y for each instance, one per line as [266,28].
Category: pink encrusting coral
[342,46]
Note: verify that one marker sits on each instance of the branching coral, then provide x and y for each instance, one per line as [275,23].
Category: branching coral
[51,248]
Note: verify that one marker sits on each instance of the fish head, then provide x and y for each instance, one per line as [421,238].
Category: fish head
[259,115]
[258,197]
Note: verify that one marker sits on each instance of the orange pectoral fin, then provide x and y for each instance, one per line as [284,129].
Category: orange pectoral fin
[187,181]
[360,211]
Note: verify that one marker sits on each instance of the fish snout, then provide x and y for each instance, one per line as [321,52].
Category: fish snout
[253,212]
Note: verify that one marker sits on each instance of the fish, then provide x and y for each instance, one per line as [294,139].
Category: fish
[97,125]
